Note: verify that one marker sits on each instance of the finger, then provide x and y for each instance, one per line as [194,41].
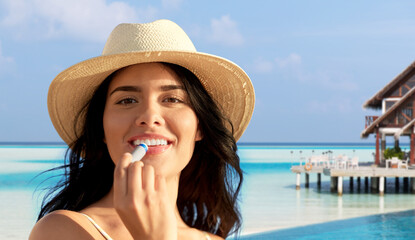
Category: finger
[135,178]
[120,175]
[148,178]
[160,184]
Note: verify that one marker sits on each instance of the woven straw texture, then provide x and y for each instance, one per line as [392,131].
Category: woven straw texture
[159,41]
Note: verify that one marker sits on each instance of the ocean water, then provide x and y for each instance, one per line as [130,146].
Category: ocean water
[271,206]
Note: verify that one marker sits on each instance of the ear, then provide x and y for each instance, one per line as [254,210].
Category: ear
[199,135]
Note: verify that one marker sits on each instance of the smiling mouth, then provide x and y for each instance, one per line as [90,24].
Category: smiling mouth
[151,142]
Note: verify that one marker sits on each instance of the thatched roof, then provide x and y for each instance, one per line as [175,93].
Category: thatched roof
[365,133]
[376,101]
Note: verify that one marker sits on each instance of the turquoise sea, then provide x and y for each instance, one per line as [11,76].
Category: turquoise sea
[271,206]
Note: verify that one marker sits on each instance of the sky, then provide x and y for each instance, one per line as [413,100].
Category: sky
[312,63]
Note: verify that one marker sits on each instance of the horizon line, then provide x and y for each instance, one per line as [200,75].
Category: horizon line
[4,143]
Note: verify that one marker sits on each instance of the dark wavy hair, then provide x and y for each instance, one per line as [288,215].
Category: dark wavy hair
[209,185]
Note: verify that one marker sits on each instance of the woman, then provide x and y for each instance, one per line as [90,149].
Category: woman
[150,85]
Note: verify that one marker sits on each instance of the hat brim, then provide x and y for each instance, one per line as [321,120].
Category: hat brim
[225,81]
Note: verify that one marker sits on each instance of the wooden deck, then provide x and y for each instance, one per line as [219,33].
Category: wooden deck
[376,174]
[363,171]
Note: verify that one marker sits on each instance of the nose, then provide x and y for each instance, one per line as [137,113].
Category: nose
[149,115]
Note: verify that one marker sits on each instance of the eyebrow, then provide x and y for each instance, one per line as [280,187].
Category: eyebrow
[163,88]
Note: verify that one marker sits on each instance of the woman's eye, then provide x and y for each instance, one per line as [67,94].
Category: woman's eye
[172,100]
[126,101]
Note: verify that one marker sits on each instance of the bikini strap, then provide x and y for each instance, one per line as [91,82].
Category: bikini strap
[106,236]
[100,230]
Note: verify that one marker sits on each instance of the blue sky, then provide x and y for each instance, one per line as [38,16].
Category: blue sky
[312,63]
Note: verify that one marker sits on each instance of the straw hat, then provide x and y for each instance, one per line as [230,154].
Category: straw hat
[159,41]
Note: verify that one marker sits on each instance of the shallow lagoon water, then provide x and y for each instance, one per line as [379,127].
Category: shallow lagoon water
[269,199]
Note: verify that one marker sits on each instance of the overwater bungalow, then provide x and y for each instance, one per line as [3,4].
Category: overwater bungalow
[397,102]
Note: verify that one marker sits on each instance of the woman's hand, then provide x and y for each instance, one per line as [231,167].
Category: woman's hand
[142,201]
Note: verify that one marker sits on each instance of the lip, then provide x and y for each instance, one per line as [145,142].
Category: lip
[151,149]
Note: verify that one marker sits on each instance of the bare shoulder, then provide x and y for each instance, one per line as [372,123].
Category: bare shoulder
[62,224]
[193,233]
[214,237]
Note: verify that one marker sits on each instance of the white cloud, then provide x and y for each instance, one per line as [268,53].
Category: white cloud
[292,68]
[85,20]
[171,3]
[292,60]
[225,31]
[263,66]
[342,105]
[4,59]
[379,29]
[334,81]
[5,62]
[18,12]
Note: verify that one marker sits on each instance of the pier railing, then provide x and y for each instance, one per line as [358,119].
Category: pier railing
[369,120]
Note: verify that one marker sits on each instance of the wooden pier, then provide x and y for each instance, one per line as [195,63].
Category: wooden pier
[377,177]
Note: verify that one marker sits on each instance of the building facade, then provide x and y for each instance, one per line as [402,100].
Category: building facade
[397,102]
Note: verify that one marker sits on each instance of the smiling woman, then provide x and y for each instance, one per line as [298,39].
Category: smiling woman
[154,109]
[149,86]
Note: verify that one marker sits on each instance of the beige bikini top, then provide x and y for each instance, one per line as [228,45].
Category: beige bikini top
[106,236]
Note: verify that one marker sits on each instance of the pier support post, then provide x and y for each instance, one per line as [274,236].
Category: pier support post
[366,184]
[333,184]
[405,184]
[307,180]
[397,184]
[340,186]
[377,155]
[298,181]
[382,147]
[351,184]
[374,184]
[412,147]
[412,185]
[381,186]
[318,180]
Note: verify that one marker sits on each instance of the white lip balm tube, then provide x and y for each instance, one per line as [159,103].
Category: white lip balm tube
[139,152]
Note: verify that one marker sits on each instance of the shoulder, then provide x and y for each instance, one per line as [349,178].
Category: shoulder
[194,233]
[213,237]
[62,224]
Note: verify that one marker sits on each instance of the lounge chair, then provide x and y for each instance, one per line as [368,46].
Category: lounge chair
[313,160]
[392,161]
[342,161]
[354,163]
[324,161]
[403,164]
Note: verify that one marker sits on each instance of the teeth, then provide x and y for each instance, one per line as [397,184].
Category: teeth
[151,142]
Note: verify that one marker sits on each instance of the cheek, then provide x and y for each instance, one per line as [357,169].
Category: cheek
[187,126]
[109,124]
[113,124]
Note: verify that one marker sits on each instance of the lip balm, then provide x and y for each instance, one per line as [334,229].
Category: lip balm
[139,152]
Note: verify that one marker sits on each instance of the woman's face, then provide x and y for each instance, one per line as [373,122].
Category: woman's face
[147,103]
